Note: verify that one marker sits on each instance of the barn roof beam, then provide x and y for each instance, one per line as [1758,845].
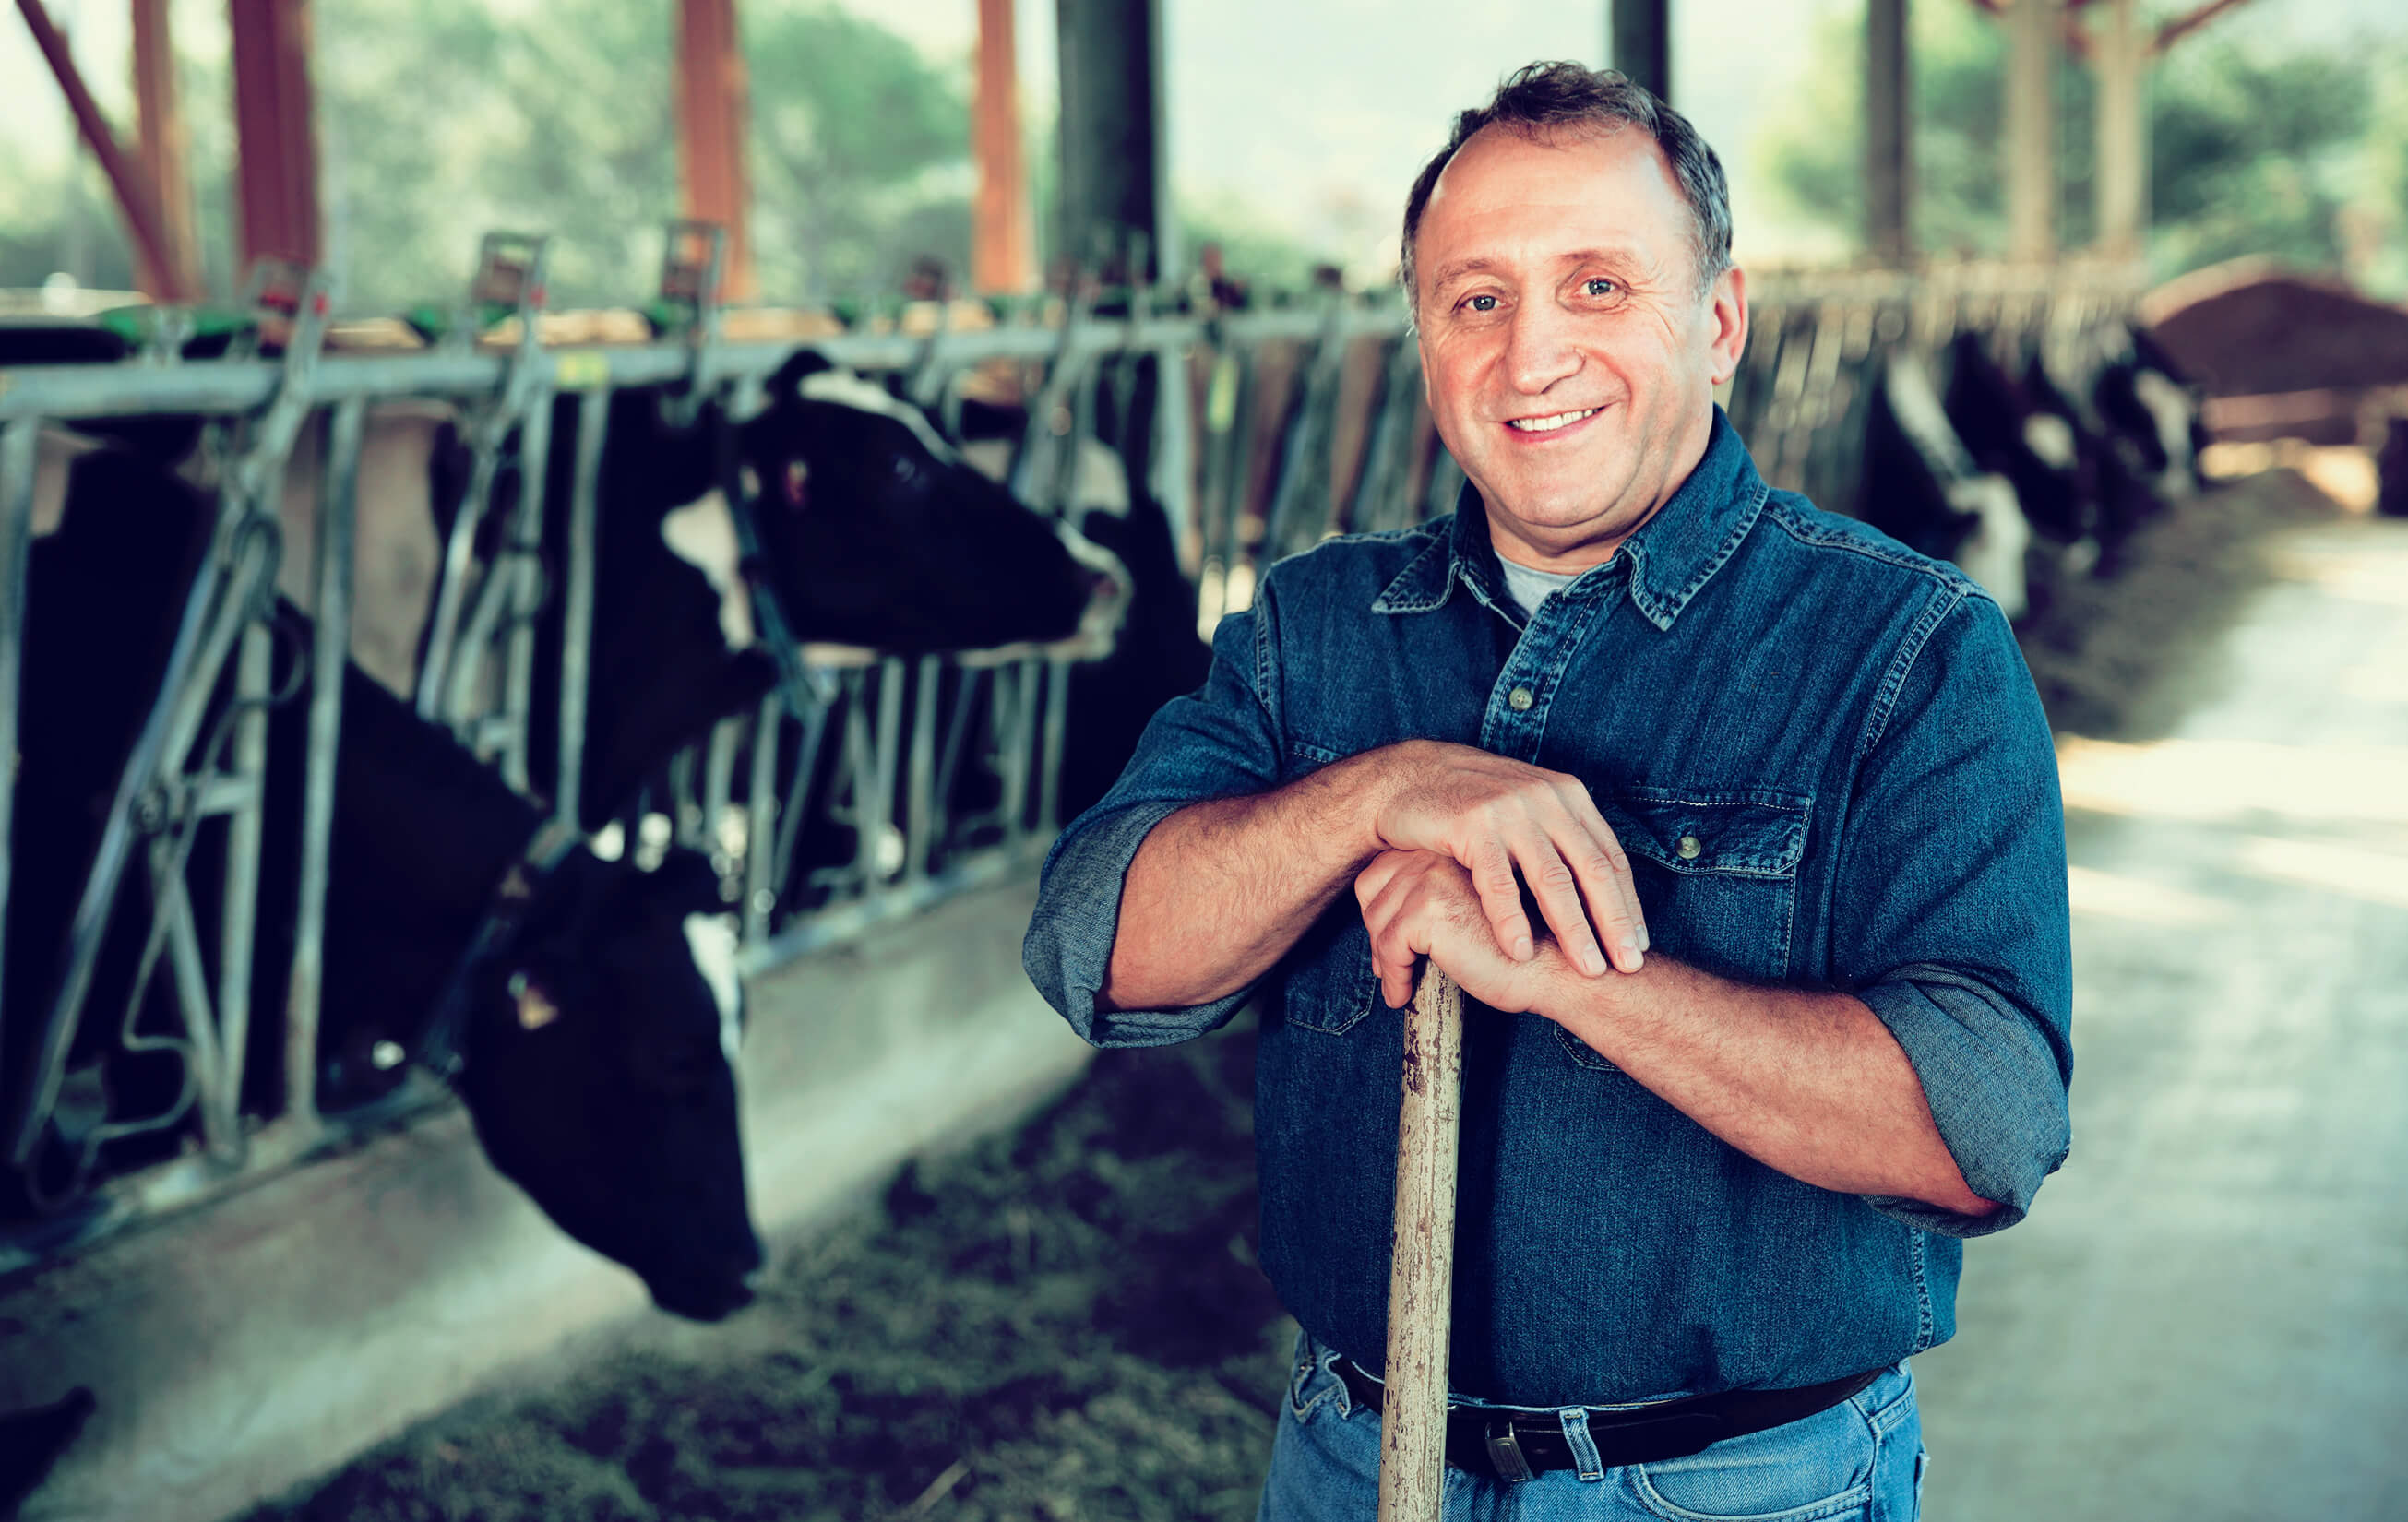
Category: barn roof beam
[167,272]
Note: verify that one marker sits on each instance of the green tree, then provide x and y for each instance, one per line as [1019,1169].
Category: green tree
[2249,153]
[860,154]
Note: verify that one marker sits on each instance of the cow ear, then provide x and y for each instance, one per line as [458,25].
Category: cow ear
[537,1008]
[785,385]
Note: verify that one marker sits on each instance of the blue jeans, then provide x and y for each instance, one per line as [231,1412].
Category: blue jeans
[1861,1460]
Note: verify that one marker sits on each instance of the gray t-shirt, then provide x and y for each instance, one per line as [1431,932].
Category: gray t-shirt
[1530,588]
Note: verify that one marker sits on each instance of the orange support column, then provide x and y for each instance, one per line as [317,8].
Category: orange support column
[275,131]
[711,112]
[1001,256]
[165,152]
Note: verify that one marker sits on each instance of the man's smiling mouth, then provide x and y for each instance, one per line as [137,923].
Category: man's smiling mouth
[1548,425]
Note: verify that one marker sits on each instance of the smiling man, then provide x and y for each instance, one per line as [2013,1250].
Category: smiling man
[1785,1015]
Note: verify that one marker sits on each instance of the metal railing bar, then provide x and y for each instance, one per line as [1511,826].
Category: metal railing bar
[337,517]
[204,637]
[577,632]
[524,580]
[922,809]
[172,907]
[235,386]
[19,453]
[245,836]
[759,833]
[846,920]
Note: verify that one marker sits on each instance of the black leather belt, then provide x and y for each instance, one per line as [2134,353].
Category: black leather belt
[1518,1444]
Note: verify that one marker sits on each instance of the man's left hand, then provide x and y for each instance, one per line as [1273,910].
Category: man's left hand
[1422,903]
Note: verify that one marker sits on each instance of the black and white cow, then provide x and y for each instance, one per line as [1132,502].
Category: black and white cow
[2147,400]
[1920,486]
[599,1035]
[874,532]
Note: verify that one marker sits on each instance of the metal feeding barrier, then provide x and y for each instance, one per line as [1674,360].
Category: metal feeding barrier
[1258,432]
[941,771]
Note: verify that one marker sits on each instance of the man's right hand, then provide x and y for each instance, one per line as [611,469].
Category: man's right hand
[1220,890]
[1494,814]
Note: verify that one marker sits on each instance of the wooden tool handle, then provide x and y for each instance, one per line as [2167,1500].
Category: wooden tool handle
[1421,1276]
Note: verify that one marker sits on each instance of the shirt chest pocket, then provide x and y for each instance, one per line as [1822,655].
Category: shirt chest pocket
[1717,872]
[1717,876]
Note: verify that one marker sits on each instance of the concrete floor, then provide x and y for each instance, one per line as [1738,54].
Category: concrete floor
[2206,1315]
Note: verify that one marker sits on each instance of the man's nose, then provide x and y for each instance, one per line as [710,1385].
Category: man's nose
[1539,348]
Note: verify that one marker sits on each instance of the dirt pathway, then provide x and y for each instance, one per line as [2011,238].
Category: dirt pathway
[2206,1317]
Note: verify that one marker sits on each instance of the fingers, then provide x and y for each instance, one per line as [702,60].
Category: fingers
[1500,900]
[1602,868]
[1557,890]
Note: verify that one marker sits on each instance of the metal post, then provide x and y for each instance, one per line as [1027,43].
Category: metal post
[1421,1274]
[20,451]
[2030,143]
[576,620]
[525,583]
[760,844]
[1889,134]
[245,831]
[338,514]
[920,804]
[1057,726]
[1113,180]
[1642,43]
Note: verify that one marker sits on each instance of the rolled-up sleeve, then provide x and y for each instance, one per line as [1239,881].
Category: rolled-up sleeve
[1952,923]
[1220,741]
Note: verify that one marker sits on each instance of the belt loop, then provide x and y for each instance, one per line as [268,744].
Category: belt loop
[1575,1420]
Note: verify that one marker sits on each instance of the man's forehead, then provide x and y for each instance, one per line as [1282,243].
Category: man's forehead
[1570,194]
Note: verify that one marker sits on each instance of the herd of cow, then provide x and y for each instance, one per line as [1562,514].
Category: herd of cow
[2010,468]
[587,1009]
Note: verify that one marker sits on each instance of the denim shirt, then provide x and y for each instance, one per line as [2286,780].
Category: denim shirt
[1826,758]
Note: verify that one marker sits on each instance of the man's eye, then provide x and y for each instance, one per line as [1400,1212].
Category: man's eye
[1597,285]
[1481,304]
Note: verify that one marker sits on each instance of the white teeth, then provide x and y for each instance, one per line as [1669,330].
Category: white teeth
[1548,425]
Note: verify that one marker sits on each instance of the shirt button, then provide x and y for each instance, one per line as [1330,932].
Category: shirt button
[1519,699]
[1690,847]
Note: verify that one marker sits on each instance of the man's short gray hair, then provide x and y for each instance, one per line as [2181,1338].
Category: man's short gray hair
[1546,98]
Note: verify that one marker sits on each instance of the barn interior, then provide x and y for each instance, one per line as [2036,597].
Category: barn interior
[261,1256]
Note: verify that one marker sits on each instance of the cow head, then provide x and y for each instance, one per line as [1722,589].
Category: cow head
[879,533]
[599,1071]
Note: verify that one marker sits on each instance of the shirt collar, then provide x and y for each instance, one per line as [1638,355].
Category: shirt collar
[1667,560]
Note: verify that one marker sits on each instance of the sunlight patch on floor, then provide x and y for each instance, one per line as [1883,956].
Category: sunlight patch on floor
[2117,897]
[2205,781]
[2377,876]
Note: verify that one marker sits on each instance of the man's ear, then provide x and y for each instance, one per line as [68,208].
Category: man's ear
[1727,316]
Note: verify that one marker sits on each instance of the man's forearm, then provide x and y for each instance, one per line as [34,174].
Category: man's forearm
[1221,890]
[1812,1084]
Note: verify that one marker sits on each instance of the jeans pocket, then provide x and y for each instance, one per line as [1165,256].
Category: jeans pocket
[1312,1384]
[1816,1468]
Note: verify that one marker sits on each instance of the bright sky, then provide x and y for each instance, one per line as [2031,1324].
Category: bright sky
[1310,114]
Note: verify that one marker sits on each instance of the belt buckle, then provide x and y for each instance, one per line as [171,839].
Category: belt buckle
[1505,1452]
